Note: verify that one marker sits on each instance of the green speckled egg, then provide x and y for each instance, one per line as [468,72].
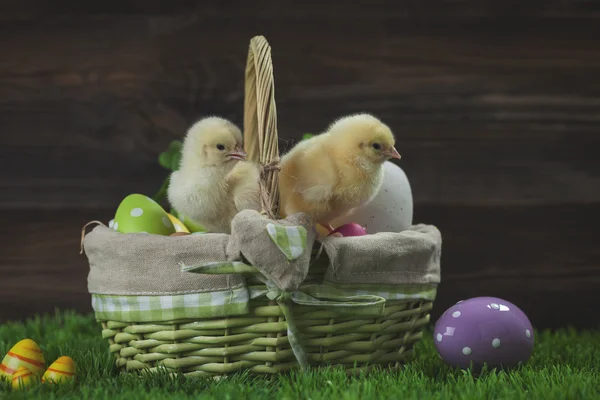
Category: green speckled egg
[139,213]
[191,225]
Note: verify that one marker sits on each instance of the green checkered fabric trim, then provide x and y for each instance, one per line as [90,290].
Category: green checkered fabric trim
[291,240]
[165,308]
[229,303]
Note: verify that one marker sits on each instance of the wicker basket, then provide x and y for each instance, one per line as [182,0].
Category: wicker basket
[258,341]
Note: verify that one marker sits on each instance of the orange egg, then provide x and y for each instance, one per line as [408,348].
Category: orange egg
[60,371]
[25,353]
[22,378]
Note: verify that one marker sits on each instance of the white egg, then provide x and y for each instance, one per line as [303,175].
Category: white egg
[392,208]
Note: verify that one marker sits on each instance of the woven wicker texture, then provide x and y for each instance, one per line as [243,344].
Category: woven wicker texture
[258,341]
[260,120]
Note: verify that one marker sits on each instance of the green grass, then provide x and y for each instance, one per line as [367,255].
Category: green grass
[565,365]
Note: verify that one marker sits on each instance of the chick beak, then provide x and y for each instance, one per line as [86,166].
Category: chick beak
[392,153]
[237,154]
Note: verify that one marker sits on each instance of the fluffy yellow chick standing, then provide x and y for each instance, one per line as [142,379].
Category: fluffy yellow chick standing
[329,174]
[214,182]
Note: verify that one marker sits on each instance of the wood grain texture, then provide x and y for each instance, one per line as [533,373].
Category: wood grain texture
[423,9]
[493,103]
[544,259]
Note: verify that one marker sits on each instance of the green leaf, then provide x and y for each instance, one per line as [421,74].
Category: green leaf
[161,195]
[175,161]
[171,158]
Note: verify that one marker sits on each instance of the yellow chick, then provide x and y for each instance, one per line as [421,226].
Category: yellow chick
[329,174]
[214,182]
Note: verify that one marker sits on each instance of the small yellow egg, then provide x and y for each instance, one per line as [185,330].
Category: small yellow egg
[62,370]
[25,353]
[22,378]
[179,226]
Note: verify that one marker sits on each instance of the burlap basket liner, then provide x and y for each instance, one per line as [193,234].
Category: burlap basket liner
[139,277]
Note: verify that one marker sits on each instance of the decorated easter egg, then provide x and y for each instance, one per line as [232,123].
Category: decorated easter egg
[22,378]
[25,353]
[351,229]
[179,226]
[139,213]
[484,330]
[391,210]
[60,371]
[192,225]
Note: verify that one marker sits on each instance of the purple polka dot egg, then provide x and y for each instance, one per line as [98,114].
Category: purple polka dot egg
[483,330]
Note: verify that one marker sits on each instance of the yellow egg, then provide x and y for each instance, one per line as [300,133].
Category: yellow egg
[22,378]
[179,226]
[60,371]
[25,353]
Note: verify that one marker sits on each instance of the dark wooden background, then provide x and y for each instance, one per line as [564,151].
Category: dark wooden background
[495,104]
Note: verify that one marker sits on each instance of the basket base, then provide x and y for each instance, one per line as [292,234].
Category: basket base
[257,342]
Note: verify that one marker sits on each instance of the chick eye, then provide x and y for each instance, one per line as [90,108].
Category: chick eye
[220,147]
[376,146]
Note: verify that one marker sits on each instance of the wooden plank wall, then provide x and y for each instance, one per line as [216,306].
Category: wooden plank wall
[496,107]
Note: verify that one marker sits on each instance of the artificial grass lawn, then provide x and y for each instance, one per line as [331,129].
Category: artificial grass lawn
[564,365]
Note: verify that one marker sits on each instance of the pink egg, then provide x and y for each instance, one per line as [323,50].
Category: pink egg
[350,229]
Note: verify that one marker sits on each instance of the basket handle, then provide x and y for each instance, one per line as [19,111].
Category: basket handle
[260,121]
[83,233]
